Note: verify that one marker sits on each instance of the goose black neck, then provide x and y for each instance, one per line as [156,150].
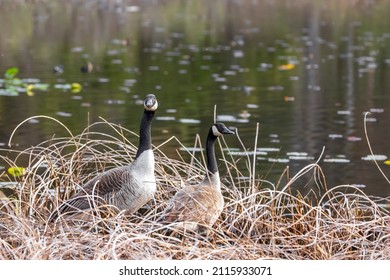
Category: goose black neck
[145,134]
[210,153]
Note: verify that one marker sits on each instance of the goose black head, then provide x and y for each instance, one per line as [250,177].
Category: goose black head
[150,102]
[219,129]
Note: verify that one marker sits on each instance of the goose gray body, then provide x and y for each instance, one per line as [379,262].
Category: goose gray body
[199,205]
[196,205]
[127,187]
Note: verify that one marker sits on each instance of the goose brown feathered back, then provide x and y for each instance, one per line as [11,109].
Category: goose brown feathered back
[199,205]
[126,187]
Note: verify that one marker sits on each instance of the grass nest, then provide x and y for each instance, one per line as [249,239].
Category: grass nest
[260,220]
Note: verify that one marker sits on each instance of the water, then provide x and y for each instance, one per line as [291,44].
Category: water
[306,71]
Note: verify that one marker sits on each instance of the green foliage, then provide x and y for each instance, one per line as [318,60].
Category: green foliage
[12,84]
[11,73]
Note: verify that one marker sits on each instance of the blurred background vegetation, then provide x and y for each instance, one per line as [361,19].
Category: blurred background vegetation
[305,70]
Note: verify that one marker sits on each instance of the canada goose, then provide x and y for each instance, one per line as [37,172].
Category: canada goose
[58,69]
[126,187]
[196,206]
[87,68]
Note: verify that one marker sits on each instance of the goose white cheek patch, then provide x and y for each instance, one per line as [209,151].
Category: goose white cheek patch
[216,131]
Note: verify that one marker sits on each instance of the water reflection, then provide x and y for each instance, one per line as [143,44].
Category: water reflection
[305,70]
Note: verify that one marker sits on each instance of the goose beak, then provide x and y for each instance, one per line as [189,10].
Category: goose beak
[220,128]
[227,131]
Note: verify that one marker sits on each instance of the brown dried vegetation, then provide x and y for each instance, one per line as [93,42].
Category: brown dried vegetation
[260,219]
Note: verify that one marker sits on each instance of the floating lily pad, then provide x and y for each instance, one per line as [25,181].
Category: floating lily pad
[335,136]
[130,82]
[189,120]
[279,160]
[360,186]
[301,158]
[165,118]
[269,150]
[298,154]
[64,114]
[133,9]
[103,80]
[375,157]
[238,53]
[77,49]
[63,86]
[6,92]
[114,102]
[32,81]
[247,153]
[337,160]
[377,110]
[190,149]
[344,112]
[226,118]
[154,68]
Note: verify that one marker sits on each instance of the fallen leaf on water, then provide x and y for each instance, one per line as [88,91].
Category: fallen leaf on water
[30,90]
[289,98]
[16,171]
[288,66]
[76,87]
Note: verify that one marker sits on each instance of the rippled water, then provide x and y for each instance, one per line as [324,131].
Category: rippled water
[306,71]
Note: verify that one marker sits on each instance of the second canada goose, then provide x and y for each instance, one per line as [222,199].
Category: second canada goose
[196,206]
[126,187]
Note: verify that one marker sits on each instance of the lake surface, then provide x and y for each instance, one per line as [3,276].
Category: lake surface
[306,71]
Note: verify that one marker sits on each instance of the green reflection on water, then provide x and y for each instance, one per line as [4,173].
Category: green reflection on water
[194,54]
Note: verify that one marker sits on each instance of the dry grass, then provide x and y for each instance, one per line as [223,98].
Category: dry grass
[267,222]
